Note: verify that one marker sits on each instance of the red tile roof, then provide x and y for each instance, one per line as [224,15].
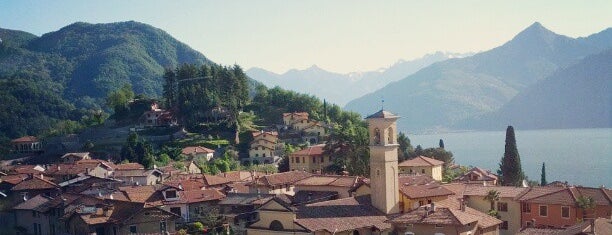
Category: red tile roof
[186,184]
[193,196]
[549,195]
[213,180]
[129,166]
[340,215]
[34,183]
[32,203]
[25,139]
[296,114]
[421,191]
[258,133]
[504,191]
[421,161]
[418,179]
[598,194]
[316,150]
[13,179]
[196,150]
[329,180]
[289,177]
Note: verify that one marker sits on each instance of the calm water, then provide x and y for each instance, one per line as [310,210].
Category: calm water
[579,156]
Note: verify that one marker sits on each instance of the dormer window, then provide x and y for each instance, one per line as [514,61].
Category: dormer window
[170,194]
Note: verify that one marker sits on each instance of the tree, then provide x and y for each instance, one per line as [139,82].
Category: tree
[492,196]
[405,148]
[441,144]
[543,176]
[585,203]
[118,100]
[510,166]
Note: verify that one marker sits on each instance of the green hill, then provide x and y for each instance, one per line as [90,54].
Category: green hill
[64,74]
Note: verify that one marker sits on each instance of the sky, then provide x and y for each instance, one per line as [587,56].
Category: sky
[339,36]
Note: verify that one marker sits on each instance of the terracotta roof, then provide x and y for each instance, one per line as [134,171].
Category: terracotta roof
[186,184]
[258,133]
[134,173]
[421,161]
[25,139]
[13,179]
[483,175]
[440,216]
[342,214]
[504,191]
[598,194]
[316,150]
[213,180]
[548,195]
[196,150]
[289,177]
[34,183]
[25,169]
[193,196]
[237,176]
[237,187]
[70,169]
[329,180]
[382,114]
[140,194]
[421,191]
[32,203]
[129,166]
[104,163]
[244,198]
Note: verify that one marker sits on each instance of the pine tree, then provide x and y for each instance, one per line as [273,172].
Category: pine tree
[441,144]
[510,166]
[543,179]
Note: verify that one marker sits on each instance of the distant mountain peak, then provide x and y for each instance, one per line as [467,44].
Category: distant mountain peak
[536,32]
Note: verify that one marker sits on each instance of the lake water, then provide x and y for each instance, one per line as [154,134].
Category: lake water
[578,156]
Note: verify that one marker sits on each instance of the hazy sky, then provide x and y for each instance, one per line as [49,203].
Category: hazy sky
[340,36]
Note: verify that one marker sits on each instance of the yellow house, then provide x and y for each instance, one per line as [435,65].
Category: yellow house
[310,159]
[263,147]
[508,205]
[422,165]
[415,196]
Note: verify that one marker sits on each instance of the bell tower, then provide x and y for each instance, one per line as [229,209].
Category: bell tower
[383,161]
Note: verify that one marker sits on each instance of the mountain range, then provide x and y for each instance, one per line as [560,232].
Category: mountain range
[463,90]
[341,88]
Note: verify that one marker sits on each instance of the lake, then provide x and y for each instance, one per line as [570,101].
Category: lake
[578,156]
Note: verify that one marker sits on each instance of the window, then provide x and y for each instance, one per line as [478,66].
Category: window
[162,226]
[34,214]
[544,211]
[502,206]
[390,137]
[133,229]
[439,226]
[322,159]
[303,159]
[297,160]
[410,170]
[526,207]
[35,229]
[314,160]
[423,171]
[565,212]
[276,226]
[171,194]
[257,155]
[503,225]
[292,160]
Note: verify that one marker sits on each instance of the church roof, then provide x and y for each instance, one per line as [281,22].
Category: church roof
[383,114]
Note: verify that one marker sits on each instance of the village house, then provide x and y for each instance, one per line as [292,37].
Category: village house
[62,172]
[264,149]
[311,159]
[414,196]
[556,207]
[120,217]
[73,157]
[26,144]
[445,218]
[422,165]
[279,183]
[31,219]
[289,119]
[198,152]
[336,184]
[239,209]
[139,176]
[157,117]
[309,130]
[477,175]
[507,205]
[33,186]
[90,185]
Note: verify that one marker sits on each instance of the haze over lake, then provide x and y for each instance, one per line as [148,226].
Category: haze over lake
[579,156]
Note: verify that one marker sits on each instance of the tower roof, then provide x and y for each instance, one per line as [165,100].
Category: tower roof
[383,114]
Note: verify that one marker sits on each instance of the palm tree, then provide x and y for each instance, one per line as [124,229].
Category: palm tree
[492,197]
[585,203]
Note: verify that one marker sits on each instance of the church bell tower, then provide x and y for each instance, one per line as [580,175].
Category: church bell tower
[383,161]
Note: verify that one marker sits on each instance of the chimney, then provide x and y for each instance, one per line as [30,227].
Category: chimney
[42,176]
[87,170]
[433,207]
[58,167]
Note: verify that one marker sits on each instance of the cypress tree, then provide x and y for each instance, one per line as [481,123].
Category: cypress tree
[510,166]
[441,144]
[543,179]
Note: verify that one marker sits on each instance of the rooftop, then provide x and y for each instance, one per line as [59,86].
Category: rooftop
[421,161]
[315,150]
[382,114]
